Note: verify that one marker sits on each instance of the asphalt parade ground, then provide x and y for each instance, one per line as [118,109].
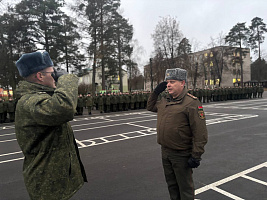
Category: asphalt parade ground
[122,158]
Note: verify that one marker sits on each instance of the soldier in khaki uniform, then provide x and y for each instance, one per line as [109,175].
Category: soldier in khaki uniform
[52,167]
[181,132]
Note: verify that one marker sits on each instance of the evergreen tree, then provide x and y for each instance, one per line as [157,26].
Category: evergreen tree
[68,44]
[257,28]
[237,36]
[42,19]
[11,41]
[123,33]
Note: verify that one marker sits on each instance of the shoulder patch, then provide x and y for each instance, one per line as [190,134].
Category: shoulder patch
[190,95]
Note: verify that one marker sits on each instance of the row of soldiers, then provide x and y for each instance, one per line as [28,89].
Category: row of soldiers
[7,110]
[112,102]
[227,93]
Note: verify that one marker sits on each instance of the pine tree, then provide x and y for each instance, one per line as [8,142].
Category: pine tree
[257,28]
[237,36]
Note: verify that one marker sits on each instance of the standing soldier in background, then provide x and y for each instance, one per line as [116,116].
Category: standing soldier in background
[260,91]
[132,100]
[11,109]
[5,110]
[254,91]
[89,103]
[1,110]
[209,95]
[108,103]
[100,101]
[52,167]
[80,105]
[120,101]
[181,132]
[114,102]
[127,101]
[138,100]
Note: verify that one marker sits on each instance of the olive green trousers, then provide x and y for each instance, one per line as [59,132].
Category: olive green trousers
[177,174]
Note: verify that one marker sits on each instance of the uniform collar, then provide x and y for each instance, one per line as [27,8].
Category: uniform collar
[177,99]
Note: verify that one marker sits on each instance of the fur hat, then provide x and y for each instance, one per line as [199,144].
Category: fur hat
[30,63]
[176,74]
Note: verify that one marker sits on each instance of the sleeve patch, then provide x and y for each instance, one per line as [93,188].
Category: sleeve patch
[201,113]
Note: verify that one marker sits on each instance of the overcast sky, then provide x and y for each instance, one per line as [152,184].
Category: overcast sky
[199,19]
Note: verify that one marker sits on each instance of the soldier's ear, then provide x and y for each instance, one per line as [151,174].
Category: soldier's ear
[39,76]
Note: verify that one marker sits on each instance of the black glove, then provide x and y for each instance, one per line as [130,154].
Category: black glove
[193,162]
[58,72]
[160,87]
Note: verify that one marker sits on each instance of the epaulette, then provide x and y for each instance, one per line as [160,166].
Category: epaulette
[190,95]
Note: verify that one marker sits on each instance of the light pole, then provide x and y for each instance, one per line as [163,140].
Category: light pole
[151,77]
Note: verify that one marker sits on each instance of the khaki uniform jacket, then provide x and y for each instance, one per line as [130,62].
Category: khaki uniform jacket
[52,167]
[181,123]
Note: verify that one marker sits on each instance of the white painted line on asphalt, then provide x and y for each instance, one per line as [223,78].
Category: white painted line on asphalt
[7,127]
[111,125]
[7,134]
[80,143]
[3,141]
[137,125]
[254,180]
[230,178]
[8,154]
[227,193]
[123,136]
[6,161]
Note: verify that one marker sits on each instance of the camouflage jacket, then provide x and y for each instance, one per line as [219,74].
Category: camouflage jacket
[52,167]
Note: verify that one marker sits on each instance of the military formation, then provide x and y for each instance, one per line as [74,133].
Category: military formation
[227,93]
[116,102]
[112,102]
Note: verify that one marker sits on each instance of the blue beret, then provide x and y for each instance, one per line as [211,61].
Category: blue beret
[30,63]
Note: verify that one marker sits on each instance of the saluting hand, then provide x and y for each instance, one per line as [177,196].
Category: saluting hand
[160,87]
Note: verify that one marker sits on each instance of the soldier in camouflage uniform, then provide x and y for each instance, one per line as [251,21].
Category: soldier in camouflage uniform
[133,99]
[107,102]
[11,109]
[126,101]
[114,102]
[100,101]
[89,103]
[120,101]
[52,167]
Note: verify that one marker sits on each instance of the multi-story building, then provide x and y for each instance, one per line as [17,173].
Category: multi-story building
[218,66]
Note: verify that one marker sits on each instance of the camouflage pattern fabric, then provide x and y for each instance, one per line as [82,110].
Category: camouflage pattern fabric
[52,167]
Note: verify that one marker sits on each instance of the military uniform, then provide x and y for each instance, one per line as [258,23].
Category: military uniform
[89,104]
[100,103]
[52,168]
[182,133]
[80,105]
[11,109]
[2,111]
